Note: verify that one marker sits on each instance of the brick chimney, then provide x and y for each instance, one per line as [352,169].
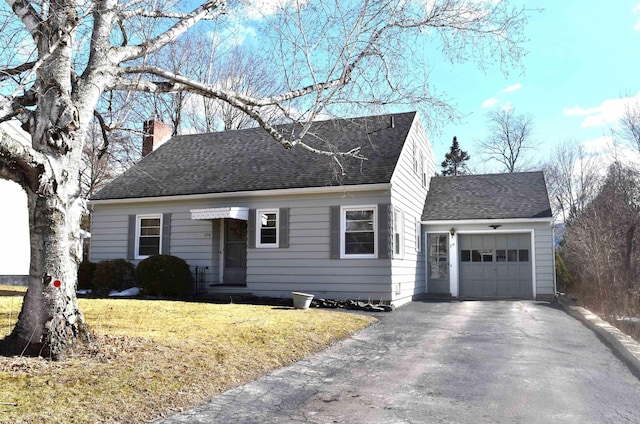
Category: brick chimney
[155,134]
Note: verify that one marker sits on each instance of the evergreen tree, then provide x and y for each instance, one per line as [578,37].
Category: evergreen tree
[454,163]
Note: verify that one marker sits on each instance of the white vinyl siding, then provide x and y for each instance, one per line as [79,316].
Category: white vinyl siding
[304,265]
[543,253]
[408,194]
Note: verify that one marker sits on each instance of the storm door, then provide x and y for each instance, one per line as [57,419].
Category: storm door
[235,252]
[438,264]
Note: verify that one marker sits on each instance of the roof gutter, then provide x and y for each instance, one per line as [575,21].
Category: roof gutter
[486,221]
[255,193]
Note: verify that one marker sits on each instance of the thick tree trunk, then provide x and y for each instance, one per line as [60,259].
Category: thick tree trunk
[50,322]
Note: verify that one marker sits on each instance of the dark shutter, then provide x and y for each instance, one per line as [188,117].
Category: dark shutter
[385,235]
[131,238]
[251,229]
[166,234]
[334,228]
[283,242]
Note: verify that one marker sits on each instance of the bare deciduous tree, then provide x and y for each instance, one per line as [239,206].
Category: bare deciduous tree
[240,71]
[573,179]
[601,245]
[630,125]
[509,138]
[63,58]
[106,154]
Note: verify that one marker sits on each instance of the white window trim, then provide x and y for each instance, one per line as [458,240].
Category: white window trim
[139,218]
[343,226]
[400,243]
[259,244]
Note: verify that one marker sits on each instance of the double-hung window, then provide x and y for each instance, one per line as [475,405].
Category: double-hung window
[423,170]
[148,236]
[398,233]
[267,225]
[358,232]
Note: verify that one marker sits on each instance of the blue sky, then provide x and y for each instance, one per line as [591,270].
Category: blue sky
[584,57]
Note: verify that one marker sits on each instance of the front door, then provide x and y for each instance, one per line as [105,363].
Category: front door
[235,252]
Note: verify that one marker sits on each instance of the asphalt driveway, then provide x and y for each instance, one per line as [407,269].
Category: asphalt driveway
[448,362]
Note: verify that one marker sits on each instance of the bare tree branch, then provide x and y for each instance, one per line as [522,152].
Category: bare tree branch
[144,13]
[21,164]
[17,70]
[28,15]
[184,24]
[105,136]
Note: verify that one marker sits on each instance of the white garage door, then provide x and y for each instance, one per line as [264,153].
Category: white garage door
[496,265]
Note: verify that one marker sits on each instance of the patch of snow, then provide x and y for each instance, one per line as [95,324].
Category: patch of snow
[628,319]
[83,291]
[133,291]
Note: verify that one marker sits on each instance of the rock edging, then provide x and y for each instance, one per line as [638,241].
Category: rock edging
[625,346]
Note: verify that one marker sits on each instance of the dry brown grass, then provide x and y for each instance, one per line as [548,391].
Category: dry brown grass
[154,358]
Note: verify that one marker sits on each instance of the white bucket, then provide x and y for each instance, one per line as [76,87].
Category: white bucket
[301,300]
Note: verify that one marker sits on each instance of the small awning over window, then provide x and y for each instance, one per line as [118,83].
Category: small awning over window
[217,213]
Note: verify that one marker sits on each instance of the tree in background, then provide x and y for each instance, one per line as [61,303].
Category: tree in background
[573,179]
[630,125]
[455,161]
[509,138]
[600,245]
[65,62]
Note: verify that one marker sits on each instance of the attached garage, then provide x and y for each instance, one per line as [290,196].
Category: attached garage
[489,236]
[496,265]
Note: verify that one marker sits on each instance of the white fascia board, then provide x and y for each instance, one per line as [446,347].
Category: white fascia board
[489,221]
[256,193]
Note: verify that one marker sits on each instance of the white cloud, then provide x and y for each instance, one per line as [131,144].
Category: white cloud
[605,150]
[511,88]
[635,11]
[490,102]
[233,36]
[609,111]
[599,145]
[260,9]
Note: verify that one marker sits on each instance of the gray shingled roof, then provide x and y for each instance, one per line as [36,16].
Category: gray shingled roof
[248,160]
[491,196]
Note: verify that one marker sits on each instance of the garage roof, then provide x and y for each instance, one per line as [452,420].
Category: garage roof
[489,196]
